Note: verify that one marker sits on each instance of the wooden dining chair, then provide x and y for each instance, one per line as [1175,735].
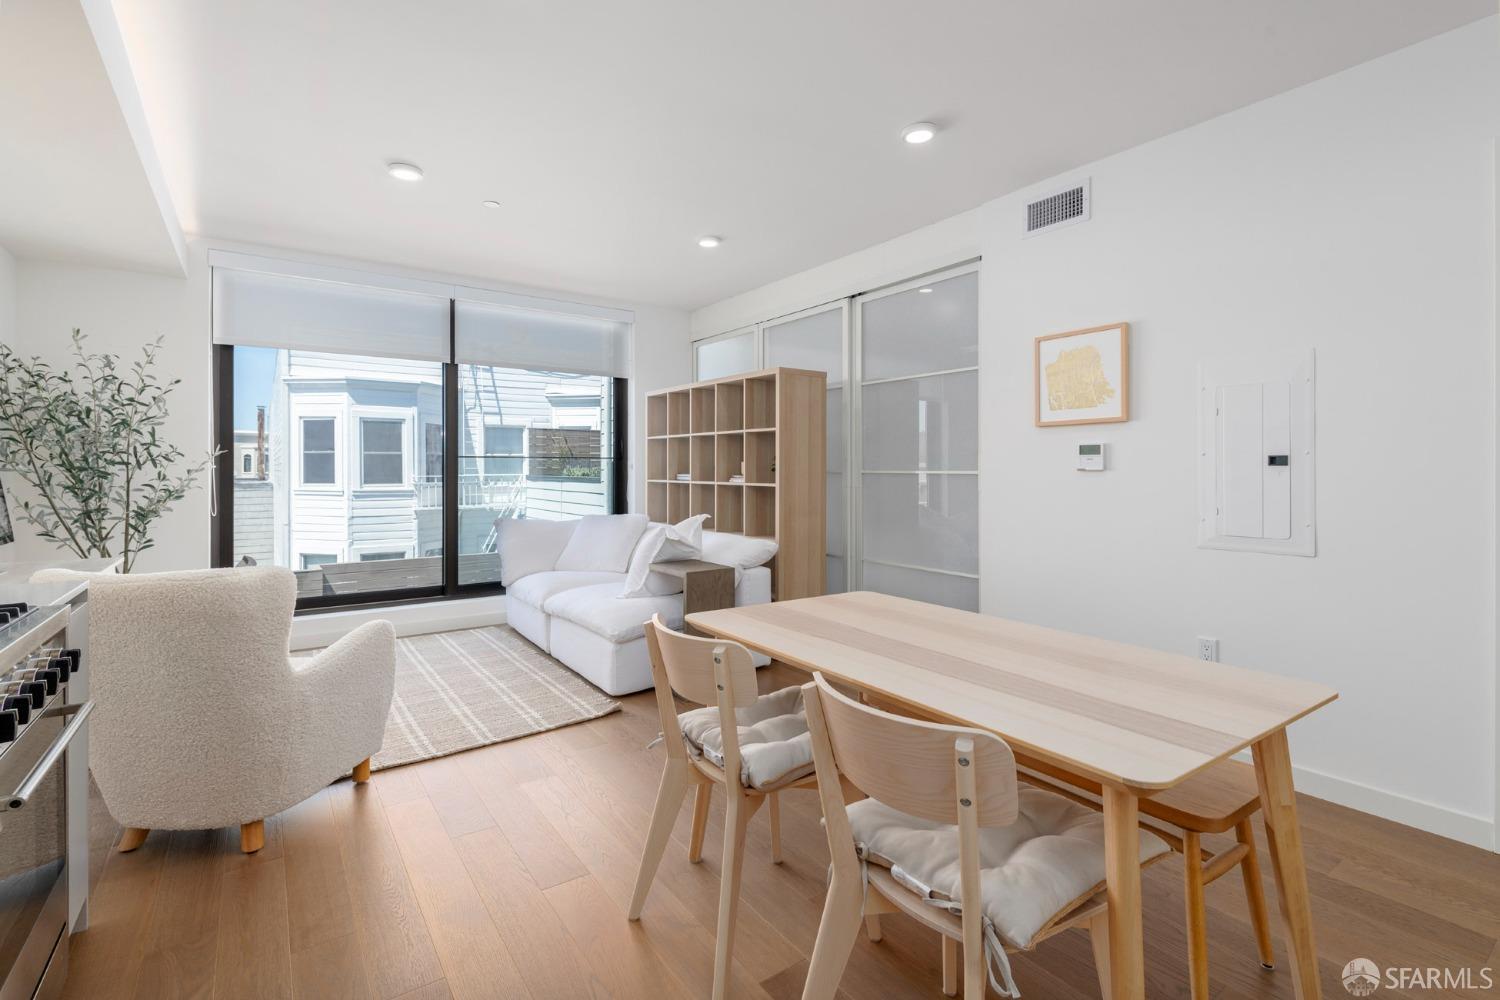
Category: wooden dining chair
[1220,798]
[946,824]
[754,746]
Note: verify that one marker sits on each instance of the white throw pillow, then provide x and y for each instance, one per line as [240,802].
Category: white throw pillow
[603,543]
[662,543]
[529,545]
[740,551]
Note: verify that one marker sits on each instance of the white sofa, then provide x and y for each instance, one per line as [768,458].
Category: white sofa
[563,581]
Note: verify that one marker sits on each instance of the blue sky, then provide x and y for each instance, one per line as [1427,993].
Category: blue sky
[254,378]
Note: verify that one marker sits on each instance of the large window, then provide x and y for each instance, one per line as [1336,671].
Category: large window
[535,444]
[396,424]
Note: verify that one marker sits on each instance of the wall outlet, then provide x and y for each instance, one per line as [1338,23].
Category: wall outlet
[1208,649]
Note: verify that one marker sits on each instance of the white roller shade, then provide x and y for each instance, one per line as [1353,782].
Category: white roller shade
[267,303]
[516,331]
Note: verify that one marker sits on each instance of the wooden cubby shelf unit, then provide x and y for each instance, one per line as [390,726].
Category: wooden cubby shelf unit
[766,426]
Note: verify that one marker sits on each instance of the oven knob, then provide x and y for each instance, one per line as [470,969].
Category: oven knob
[9,726]
[37,692]
[46,679]
[20,705]
[74,658]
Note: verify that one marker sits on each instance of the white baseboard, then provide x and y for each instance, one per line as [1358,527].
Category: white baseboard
[1478,831]
[316,631]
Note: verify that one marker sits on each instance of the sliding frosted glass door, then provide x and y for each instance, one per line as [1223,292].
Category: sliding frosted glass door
[731,354]
[917,347]
[815,340]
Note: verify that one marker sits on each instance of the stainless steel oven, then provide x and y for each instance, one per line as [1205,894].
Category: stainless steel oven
[36,727]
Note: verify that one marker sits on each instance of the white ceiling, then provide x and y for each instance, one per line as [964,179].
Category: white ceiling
[614,134]
[73,182]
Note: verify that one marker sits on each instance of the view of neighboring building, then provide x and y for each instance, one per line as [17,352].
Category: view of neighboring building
[345,465]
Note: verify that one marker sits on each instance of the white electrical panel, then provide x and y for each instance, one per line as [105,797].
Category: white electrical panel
[1255,464]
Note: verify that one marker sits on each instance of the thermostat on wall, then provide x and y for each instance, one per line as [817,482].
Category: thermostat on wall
[1091,457]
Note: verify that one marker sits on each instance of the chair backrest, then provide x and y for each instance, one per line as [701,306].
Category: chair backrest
[921,768]
[182,664]
[704,671]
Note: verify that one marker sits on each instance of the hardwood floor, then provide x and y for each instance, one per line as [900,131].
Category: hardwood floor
[507,871]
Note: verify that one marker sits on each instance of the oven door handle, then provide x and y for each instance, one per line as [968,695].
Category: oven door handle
[17,799]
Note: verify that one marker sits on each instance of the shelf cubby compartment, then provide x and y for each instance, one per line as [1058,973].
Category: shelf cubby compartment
[702,408]
[760,457]
[760,402]
[656,501]
[701,501]
[679,457]
[656,416]
[729,456]
[678,500]
[678,408]
[703,459]
[760,510]
[656,458]
[730,406]
[729,508]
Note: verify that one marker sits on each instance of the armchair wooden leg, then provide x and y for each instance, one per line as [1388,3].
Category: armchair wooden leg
[1255,894]
[252,836]
[132,838]
[362,771]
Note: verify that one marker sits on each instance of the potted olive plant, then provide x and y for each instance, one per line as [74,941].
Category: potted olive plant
[86,442]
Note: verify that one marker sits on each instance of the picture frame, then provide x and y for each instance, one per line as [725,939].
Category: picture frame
[1082,376]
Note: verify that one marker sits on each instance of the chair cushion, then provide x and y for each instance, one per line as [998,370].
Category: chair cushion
[775,747]
[1041,866]
[536,588]
[599,609]
[602,542]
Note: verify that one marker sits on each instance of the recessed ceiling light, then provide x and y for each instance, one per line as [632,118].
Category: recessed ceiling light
[404,171]
[491,204]
[925,291]
[919,133]
[709,242]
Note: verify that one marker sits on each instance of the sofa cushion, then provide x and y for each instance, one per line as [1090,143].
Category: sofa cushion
[775,748]
[662,542]
[536,588]
[529,545]
[1050,859]
[599,609]
[740,551]
[602,542]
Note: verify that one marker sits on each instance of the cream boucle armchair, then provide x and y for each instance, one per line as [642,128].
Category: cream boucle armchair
[201,719]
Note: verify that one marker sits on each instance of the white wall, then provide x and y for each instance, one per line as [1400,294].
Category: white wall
[7,297]
[123,310]
[1356,216]
[120,312]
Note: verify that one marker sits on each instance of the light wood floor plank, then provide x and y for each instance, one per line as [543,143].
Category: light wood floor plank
[545,854]
[454,797]
[105,960]
[621,961]
[552,965]
[476,963]
[182,934]
[331,969]
[318,899]
[397,946]
[255,956]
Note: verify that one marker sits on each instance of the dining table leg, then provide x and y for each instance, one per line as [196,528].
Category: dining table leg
[1278,802]
[1122,871]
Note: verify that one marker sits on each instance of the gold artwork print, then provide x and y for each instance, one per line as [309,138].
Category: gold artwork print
[1076,380]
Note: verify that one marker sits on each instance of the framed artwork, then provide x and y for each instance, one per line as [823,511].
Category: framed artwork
[1083,376]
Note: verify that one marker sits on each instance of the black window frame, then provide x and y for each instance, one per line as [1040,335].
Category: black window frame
[221,520]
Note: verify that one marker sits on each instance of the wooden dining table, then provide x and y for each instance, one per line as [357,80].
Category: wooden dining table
[1135,720]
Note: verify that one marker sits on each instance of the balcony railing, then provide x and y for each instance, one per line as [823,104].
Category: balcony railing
[505,495]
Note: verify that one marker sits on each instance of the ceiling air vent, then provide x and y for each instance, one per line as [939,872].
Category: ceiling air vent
[1063,208]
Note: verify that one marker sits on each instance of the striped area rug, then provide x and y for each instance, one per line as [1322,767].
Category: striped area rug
[459,690]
